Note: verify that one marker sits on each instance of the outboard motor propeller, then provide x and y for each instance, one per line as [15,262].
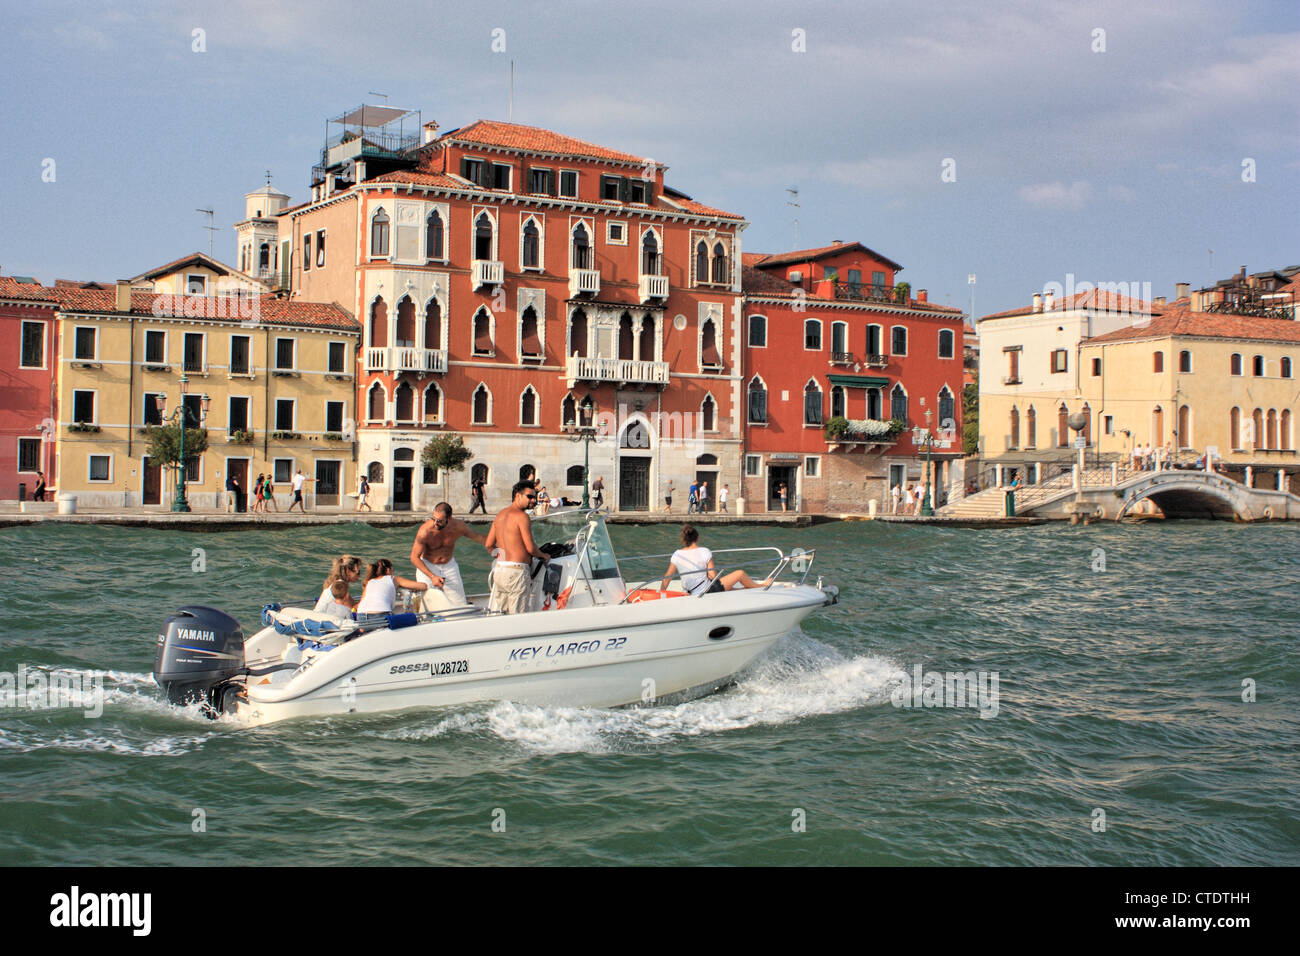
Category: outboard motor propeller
[199,650]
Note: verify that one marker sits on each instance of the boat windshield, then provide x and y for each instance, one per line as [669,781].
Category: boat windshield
[585,530]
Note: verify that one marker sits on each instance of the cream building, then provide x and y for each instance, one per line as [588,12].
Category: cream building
[1032,379]
[278,375]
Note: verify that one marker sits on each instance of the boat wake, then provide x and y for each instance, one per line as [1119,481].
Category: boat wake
[798,679]
[81,710]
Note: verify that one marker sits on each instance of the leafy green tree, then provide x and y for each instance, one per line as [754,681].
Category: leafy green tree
[446,453]
[970,417]
[165,444]
[903,292]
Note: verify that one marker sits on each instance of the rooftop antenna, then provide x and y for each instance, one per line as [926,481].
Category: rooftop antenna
[268,177]
[792,201]
[212,230]
[1211,252]
[510,106]
[373,93]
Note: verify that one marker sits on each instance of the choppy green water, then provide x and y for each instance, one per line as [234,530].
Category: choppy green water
[1120,690]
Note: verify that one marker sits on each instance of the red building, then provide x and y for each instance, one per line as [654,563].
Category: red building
[27,394]
[504,275]
[841,363]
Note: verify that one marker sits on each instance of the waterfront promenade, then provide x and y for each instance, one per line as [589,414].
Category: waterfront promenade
[11,516]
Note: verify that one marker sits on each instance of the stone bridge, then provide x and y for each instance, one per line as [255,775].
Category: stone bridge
[1117,493]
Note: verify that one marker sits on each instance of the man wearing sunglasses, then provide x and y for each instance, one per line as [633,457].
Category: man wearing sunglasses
[512,533]
[434,559]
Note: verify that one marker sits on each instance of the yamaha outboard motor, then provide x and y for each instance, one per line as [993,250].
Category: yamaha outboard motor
[199,650]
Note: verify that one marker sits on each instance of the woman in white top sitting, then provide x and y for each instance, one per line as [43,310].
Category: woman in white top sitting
[345,569]
[694,563]
[381,588]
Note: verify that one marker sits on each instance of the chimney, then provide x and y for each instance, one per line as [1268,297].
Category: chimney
[1182,290]
[922,295]
[430,131]
[1243,274]
[1158,302]
[123,300]
[1038,302]
[1047,301]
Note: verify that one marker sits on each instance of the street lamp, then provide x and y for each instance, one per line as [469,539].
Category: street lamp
[182,415]
[924,435]
[584,430]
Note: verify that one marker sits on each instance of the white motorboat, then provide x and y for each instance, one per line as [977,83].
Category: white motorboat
[593,640]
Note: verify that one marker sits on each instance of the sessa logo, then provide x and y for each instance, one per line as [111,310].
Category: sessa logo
[102,909]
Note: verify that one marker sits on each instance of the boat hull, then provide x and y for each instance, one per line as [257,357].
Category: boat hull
[598,657]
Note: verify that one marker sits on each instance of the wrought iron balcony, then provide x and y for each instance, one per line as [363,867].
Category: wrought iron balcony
[584,282]
[841,358]
[581,369]
[654,287]
[406,359]
[876,361]
[868,292]
[488,273]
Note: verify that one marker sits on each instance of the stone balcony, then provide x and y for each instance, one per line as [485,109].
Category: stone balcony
[653,287]
[488,273]
[405,359]
[584,282]
[622,371]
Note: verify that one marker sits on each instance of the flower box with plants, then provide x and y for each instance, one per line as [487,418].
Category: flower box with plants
[841,430]
[285,436]
[238,437]
[83,427]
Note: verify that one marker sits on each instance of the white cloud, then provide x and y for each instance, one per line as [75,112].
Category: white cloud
[1057,195]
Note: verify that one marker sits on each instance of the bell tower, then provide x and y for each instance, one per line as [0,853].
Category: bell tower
[256,248]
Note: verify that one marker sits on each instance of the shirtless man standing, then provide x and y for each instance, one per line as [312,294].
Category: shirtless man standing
[434,562]
[512,532]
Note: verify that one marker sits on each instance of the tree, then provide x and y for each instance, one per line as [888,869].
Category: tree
[165,444]
[446,453]
[970,417]
[903,292]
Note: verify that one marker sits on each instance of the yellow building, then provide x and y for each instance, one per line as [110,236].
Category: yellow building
[279,376]
[1198,381]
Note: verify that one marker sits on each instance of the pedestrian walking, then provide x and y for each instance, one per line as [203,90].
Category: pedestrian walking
[363,494]
[299,479]
[258,503]
[693,501]
[668,497]
[910,502]
[598,486]
[476,495]
[895,495]
[722,499]
[268,494]
[704,497]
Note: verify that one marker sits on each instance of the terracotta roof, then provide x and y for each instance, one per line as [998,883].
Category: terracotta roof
[821,252]
[12,289]
[1181,321]
[269,309]
[1092,299]
[690,205]
[757,282]
[535,140]
[418,177]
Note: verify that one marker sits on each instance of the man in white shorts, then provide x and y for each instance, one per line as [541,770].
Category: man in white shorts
[435,565]
[512,533]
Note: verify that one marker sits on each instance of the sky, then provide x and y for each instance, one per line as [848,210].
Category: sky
[1022,142]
